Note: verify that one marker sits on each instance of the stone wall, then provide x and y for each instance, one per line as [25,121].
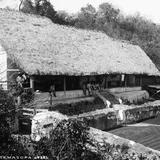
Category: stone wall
[134,97]
[107,119]
[105,137]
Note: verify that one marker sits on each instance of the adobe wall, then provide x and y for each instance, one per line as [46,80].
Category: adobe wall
[8,69]
[3,68]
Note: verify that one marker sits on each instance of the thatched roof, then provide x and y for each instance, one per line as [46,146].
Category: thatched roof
[40,47]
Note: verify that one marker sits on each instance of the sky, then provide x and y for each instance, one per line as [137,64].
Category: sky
[147,8]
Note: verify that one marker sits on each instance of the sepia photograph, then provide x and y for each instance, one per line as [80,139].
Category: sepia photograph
[79,80]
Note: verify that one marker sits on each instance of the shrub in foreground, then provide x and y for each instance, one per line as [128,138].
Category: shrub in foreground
[68,141]
[71,141]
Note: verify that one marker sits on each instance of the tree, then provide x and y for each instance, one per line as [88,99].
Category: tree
[8,145]
[107,20]
[26,6]
[108,12]
[63,18]
[86,17]
[45,8]
[40,7]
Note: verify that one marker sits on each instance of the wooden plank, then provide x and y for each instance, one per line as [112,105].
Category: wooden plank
[12,70]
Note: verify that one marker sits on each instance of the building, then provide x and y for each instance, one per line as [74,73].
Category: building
[66,56]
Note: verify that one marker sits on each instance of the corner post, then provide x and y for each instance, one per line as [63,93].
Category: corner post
[64,81]
[125,80]
[32,82]
[141,80]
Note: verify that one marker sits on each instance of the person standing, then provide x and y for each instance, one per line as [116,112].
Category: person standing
[52,92]
[19,79]
[84,88]
[89,89]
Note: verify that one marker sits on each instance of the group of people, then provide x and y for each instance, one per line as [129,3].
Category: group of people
[90,88]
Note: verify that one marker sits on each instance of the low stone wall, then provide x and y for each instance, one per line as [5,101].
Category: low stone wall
[105,137]
[124,89]
[107,119]
[141,113]
[134,97]
[102,120]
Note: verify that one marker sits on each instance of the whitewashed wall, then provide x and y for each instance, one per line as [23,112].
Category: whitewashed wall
[3,68]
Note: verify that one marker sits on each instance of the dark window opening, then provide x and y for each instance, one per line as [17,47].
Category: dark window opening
[43,83]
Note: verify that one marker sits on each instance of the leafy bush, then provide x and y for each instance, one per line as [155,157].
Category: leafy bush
[27,97]
[68,142]
[71,141]
[6,102]
[8,145]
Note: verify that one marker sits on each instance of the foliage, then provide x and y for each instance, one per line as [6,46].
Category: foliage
[8,146]
[27,6]
[68,141]
[26,95]
[86,18]
[71,140]
[63,18]
[15,90]
[40,7]
[6,102]
[45,8]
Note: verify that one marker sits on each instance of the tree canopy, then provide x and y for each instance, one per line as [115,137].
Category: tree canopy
[45,8]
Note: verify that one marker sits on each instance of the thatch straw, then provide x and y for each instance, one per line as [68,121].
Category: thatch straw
[40,47]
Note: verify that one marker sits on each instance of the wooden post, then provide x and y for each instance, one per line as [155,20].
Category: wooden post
[125,80]
[106,81]
[18,100]
[122,80]
[34,111]
[32,82]
[50,99]
[134,80]
[141,80]
[64,81]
